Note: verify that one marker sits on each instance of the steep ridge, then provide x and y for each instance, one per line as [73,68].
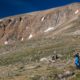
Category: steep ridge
[37,24]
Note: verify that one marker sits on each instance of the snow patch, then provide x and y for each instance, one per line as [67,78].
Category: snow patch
[30,36]
[42,19]
[6,42]
[49,29]
[22,39]
[77,11]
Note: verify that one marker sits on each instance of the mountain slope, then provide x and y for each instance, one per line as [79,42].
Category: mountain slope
[33,25]
[27,39]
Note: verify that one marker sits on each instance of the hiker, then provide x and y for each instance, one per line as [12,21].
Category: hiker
[77,60]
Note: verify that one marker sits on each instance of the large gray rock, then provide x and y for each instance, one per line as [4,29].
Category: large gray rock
[65,75]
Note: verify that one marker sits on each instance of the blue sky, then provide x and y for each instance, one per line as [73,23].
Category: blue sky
[13,7]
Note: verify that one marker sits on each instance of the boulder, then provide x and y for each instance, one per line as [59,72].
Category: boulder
[65,75]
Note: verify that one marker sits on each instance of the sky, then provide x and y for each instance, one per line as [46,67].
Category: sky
[14,7]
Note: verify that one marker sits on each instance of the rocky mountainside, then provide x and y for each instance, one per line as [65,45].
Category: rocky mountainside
[42,24]
[40,45]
